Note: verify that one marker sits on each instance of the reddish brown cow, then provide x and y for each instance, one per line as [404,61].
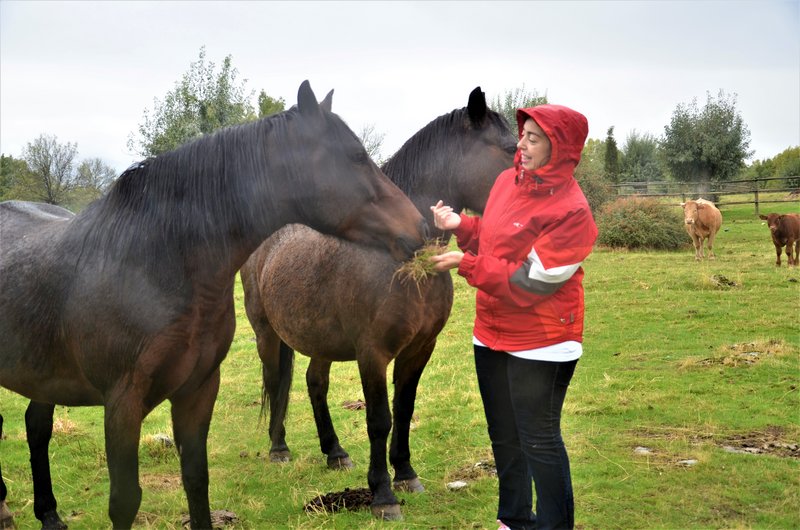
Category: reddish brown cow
[785,230]
[702,221]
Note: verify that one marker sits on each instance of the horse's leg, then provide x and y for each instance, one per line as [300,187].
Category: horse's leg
[407,372]
[124,413]
[317,381]
[277,366]
[191,419]
[372,368]
[39,430]
[6,519]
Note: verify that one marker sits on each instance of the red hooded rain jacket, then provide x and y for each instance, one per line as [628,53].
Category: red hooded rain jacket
[524,254]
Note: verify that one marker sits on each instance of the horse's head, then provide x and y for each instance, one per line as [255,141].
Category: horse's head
[455,158]
[489,148]
[342,191]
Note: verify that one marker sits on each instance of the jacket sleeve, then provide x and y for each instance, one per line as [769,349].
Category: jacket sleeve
[553,257]
[468,233]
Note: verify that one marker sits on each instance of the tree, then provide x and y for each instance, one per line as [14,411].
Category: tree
[202,101]
[611,165]
[52,176]
[372,141]
[708,144]
[784,164]
[94,177]
[268,106]
[640,161]
[591,175]
[13,172]
[510,101]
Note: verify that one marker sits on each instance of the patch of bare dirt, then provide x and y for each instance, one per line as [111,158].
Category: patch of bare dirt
[772,441]
[742,354]
[357,404]
[219,519]
[161,481]
[349,499]
[483,468]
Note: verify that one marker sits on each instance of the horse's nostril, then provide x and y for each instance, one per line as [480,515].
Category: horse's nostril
[425,228]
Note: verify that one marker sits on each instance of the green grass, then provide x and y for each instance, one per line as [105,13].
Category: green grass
[673,362]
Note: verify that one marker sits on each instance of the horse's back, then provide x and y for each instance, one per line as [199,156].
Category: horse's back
[26,214]
[323,295]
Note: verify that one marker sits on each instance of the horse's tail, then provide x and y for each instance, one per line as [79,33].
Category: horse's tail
[279,405]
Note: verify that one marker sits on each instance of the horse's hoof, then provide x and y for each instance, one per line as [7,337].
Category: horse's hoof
[280,457]
[51,521]
[413,485]
[340,462]
[387,512]
[6,518]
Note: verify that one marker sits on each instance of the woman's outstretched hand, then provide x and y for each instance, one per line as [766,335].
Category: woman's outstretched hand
[444,218]
[447,261]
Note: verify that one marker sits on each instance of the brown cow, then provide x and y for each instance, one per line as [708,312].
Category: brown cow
[702,221]
[785,230]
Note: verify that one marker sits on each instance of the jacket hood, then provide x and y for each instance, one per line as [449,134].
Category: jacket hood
[567,130]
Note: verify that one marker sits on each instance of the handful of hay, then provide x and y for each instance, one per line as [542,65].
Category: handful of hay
[420,267]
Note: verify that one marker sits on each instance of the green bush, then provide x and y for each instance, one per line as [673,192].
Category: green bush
[596,188]
[641,223]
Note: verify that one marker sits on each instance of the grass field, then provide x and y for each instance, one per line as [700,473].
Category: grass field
[684,412]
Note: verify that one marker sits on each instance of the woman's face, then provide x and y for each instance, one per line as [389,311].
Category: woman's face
[534,146]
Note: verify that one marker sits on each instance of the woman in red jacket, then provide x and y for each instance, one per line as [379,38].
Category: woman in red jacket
[524,257]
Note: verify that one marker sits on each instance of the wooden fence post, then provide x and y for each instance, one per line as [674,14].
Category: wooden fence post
[755,195]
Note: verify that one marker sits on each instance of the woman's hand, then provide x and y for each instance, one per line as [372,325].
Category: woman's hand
[444,218]
[448,260]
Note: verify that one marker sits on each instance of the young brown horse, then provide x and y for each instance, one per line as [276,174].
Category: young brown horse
[130,303]
[334,301]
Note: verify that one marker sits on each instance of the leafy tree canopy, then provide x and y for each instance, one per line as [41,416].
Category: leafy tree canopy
[520,98]
[51,176]
[268,105]
[611,160]
[202,101]
[640,161]
[13,171]
[709,143]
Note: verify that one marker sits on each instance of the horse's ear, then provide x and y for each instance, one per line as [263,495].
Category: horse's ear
[327,102]
[306,100]
[476,107]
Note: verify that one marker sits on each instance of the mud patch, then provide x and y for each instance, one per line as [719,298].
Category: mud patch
[161,481]
[483,468]
[349,499]
[772,441]
[219,519]
[742,354]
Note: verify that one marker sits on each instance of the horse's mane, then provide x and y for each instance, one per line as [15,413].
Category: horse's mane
[190,195]
[443,136]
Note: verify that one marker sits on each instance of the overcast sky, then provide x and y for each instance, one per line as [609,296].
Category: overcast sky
[86,71]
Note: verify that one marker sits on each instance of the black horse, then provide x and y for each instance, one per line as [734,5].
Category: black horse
[335,301]
[130,303]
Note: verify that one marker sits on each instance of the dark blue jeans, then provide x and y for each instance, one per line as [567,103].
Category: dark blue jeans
[522,400]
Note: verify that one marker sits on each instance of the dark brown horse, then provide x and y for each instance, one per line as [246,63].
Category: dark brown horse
[130,303]
[335,301]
